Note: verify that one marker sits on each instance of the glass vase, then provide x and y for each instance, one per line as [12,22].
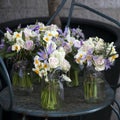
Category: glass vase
[51,96]
[94,85]
[74,75]
[22,76]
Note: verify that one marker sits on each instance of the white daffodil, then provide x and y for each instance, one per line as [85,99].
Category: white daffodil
[66,78]
[17,35]
[8,36]
[20,42]
[47,38]
[16,47]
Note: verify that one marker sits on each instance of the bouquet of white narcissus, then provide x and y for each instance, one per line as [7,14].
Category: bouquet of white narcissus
[96,52]
[51,66]
[49,60]
[23,43]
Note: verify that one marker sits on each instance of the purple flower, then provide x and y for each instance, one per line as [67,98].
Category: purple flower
[60,31]
[77,33]
[66,47]
[50,49]
[43,55]
[73,31]
[65,31]
[29,45]
[78,44]
[35,28]
[9,30]
[107,64]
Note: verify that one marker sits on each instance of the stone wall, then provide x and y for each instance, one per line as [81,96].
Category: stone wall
[16,9]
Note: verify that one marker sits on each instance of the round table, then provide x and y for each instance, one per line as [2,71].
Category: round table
[74,104]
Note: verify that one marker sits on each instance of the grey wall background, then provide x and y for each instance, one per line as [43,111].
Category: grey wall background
[17,9]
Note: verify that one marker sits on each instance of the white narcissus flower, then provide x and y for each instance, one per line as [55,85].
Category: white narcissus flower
[66,78]
[16,47]
[17,35]
[29,33]
[61,51]
[88,44]
[52,27]
[99,45]
[29,45]
[113,57]
[36,70]
[80,57]
[110,47]
[42,26]
[46,79]
[42,73]
[71,41]
[65,65]
[20,42]
[47,38]
[36,61]
[54,34]
[8,36]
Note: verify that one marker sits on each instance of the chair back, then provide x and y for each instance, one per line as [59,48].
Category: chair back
[6,92]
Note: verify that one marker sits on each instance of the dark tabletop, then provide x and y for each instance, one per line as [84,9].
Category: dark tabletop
[73,104]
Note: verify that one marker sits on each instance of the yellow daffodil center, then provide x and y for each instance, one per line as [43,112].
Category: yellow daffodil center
[17,35]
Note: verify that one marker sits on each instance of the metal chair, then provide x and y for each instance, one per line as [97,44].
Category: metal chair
[6,92]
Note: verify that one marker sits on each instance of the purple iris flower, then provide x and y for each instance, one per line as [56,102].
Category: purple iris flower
[73,31]
[89,57]
[9,30]
[60,31]
[35,28]
[66,31]
[43,55]
[50,49]
[107,64]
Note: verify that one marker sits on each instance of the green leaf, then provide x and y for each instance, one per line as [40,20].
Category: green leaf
[9,55]
[71,59]
[23,36]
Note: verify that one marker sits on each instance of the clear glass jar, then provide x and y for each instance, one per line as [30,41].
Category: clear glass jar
[51,95]
[22,76]
[94,85]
